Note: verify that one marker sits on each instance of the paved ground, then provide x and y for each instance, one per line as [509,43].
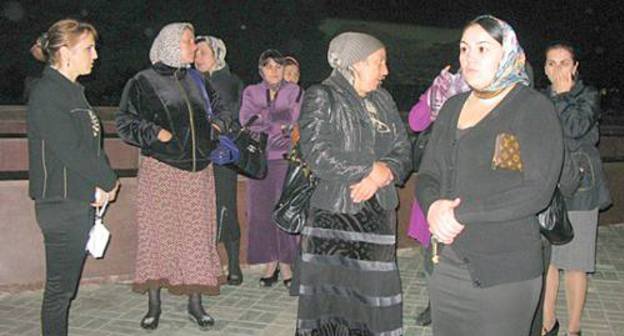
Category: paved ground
[113,310]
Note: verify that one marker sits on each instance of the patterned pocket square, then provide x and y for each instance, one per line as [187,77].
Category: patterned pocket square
[507,153]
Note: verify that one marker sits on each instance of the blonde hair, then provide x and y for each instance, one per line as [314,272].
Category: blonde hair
[65,32]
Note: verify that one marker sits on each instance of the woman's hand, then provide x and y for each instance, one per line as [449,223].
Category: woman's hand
[363,190]
[381,174]
[164,135]
[442,222]
[101,197]
[112,195]
[562,81]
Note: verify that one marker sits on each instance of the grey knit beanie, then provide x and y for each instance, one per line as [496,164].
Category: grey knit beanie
[349,48]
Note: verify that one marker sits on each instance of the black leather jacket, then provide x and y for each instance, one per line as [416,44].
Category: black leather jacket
[579,112]
[340,143]
[163,97]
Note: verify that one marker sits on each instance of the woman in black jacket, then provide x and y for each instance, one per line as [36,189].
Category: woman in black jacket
[578,108]
[69,172]
[163,112]
[210,61]
[492,163]
[354,141]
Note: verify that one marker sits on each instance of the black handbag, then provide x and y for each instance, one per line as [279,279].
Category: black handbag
[554,222]
[252,161]
[419,143]
[291,211]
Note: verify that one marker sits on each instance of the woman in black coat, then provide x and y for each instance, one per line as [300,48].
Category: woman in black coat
[69,172]
[354,141]
[578,108]
[210,60]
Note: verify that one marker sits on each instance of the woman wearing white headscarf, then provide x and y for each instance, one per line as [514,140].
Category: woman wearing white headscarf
[354,141]
[210,61]
[163,112]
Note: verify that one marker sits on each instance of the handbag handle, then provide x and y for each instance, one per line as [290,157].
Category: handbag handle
[251,120]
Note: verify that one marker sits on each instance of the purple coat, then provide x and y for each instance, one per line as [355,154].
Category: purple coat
[277,117]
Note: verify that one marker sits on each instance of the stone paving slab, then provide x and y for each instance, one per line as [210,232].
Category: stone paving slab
[248,310]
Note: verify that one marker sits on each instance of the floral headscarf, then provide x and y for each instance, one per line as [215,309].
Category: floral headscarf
[166,45]
[511,69]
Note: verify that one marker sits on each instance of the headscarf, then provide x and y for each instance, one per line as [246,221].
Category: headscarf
[349,48]
[166,45]
[511,69]
[218,49]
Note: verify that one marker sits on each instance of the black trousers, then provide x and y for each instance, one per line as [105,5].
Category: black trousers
[227,217]
[65,226]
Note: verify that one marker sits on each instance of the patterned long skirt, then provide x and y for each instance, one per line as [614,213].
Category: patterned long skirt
[348,280]
[176,229]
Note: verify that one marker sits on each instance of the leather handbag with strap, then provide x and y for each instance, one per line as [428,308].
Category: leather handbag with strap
[554,222]
[290,212]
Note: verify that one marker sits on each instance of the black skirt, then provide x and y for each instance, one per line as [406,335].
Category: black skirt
[347,277]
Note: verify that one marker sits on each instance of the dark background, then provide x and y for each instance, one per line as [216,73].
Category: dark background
[127,29]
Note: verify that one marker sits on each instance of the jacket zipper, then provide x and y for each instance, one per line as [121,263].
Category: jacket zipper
[191,123]
[45,169]
[65,181]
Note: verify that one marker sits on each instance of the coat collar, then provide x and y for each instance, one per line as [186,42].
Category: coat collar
[57,77]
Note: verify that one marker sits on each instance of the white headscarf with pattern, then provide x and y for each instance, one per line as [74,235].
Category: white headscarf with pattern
[166,45]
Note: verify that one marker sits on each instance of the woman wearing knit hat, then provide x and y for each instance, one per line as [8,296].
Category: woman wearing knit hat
[354,141]
[163,113]
[277,104]
[492,163]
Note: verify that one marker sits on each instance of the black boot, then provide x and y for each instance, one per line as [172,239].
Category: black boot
[424,318]
[197,313]
[235,275]
[151,319]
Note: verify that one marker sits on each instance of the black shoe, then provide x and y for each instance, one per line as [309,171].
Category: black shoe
[553,331]
[204,321]
[424,318]
[150,321]
[235,278]
[270,281]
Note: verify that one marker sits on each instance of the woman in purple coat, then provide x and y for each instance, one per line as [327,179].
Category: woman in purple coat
[277,104]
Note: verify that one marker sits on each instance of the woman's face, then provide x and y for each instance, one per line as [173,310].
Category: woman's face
[559,61]
[82,55]
[272,72]
[479,56]
[204,57]
[370,72]
[187,47]
[291,73]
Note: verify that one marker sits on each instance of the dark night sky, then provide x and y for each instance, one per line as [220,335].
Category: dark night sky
[127,28]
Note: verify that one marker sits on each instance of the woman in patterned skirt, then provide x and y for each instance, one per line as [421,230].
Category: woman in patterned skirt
[163,112]
[354,141]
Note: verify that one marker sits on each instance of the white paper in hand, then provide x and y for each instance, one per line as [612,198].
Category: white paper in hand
[99,235]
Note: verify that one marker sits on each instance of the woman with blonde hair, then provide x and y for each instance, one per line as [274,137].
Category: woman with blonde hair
[69,173]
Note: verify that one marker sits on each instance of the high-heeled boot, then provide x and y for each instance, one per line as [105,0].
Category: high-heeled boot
[235,275]
[151,319]
[197,313]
